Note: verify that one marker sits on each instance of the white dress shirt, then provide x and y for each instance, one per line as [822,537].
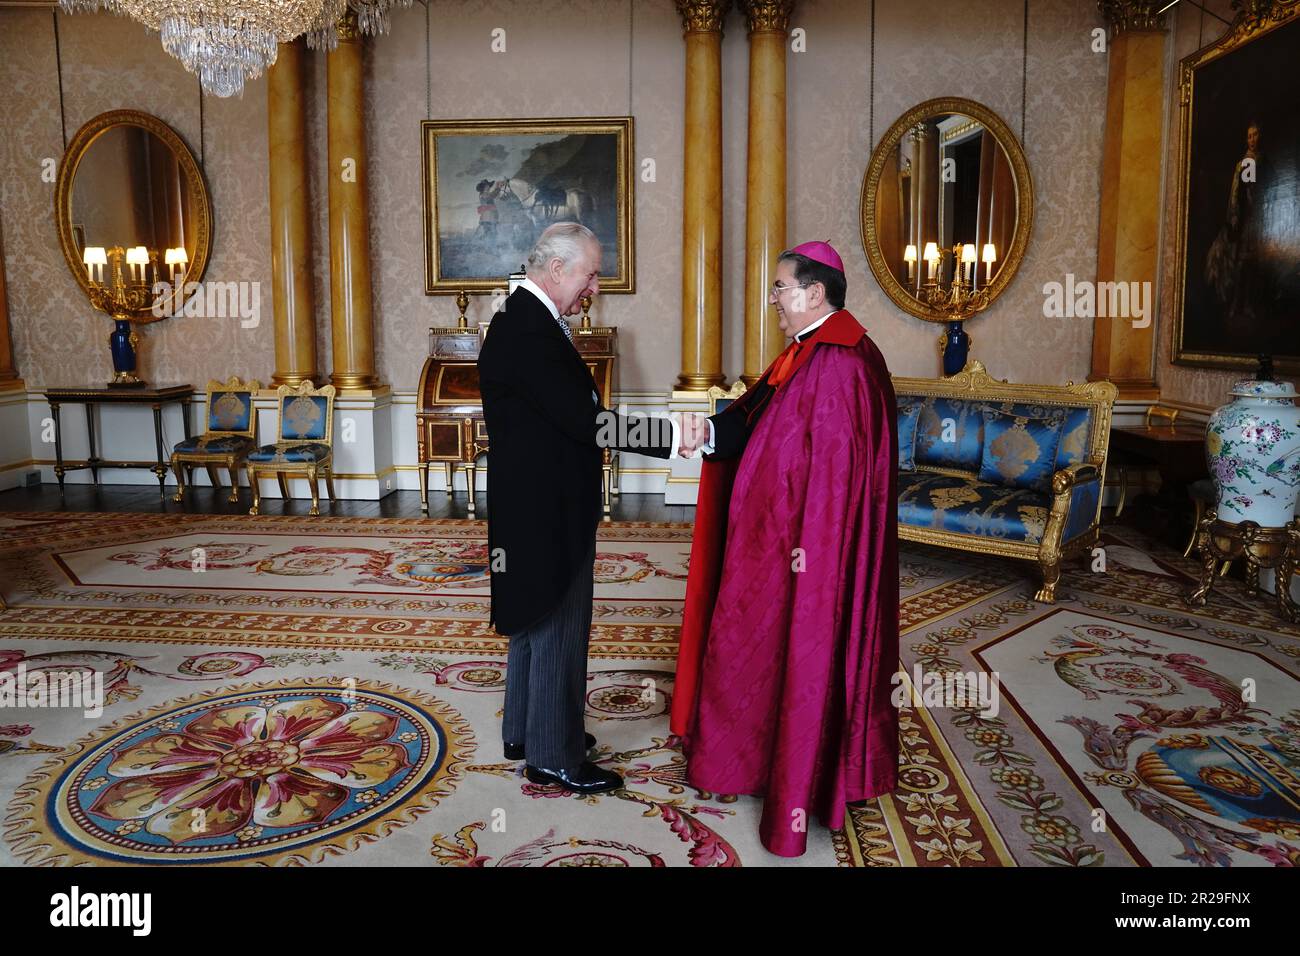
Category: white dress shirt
[545,299]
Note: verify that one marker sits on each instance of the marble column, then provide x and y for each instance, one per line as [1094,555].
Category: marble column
[769,24]
[350,306]
[9,379]
[1128,239]
[702,196]
[291,285]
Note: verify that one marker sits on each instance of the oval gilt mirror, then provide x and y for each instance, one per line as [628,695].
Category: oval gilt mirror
[947,208]
[128,184]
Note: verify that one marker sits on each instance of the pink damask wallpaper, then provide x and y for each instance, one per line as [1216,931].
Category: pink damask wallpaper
[567,58]
[58,338]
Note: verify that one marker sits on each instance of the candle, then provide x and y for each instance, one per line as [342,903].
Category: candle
[990,257]
[137,256]
[94,257]
[968,262]
[176,260]
[909,256]
[931,258]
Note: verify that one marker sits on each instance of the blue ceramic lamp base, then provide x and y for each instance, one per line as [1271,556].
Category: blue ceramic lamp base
[121,343]
[956,348]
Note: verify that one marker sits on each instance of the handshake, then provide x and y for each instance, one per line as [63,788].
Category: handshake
[694,432]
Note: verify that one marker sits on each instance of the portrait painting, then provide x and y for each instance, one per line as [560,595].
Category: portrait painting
[492,186]
[1238,284]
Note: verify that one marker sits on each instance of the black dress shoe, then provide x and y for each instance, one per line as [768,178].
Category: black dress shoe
[516,751]
[588,778]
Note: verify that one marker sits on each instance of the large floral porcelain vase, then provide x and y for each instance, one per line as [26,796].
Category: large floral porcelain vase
[1253,448]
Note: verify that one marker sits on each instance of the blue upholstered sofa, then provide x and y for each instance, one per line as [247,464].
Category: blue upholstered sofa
[998,468]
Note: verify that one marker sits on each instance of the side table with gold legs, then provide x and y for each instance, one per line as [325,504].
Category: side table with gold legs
[1272,548]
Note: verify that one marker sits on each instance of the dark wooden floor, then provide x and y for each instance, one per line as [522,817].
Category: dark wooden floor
[203,500]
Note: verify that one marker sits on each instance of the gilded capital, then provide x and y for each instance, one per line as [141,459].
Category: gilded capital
[346,27]
[1123,16]
[702,16]
[767,16]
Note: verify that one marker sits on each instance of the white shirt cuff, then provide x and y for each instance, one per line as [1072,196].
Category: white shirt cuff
[707,447]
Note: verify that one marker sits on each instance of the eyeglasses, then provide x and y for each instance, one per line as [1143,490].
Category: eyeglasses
[777,288]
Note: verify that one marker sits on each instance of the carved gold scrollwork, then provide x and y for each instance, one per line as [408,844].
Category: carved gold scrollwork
[767,16]
[1254,15]
[1125,15]
[702,16]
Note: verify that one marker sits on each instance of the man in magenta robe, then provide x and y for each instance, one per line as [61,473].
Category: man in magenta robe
[790,631]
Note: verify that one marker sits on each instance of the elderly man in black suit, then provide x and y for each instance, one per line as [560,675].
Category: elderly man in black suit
[546,427]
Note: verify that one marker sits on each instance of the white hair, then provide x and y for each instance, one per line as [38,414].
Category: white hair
[561,240]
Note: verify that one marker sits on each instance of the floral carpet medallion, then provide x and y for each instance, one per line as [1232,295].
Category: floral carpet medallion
[279,772]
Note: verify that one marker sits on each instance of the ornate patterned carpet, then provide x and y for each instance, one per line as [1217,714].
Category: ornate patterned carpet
[284,690]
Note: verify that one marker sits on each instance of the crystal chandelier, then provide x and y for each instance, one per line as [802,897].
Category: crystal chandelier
[89,6]
[372,20]
[225,42]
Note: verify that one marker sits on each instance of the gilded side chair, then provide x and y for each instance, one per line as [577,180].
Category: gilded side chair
[303,444]
[230,429]
[720,398]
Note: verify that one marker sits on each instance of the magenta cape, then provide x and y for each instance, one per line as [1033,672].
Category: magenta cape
[783,678]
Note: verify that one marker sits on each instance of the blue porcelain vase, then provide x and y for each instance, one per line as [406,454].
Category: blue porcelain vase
[119,343]
[956,348]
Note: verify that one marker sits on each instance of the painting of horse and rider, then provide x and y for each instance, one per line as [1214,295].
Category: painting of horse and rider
[492,186]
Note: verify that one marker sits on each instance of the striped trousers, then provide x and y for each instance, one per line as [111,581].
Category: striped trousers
[546,679]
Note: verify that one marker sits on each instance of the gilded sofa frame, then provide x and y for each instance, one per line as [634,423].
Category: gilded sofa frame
[184,461]
[974,383]
[310,470]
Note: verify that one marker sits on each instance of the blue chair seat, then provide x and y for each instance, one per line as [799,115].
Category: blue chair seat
[214,444]
[291,454]
[968,506]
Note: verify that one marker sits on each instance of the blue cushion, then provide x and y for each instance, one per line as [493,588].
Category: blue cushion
[909,413]
[969,506]
[1020,449]
[950,433]
[303,417]
[290,453]
[230,411]
[214,444]
[1074,437]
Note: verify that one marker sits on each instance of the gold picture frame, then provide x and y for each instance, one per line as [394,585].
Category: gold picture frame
[1207,235]
[490,186]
